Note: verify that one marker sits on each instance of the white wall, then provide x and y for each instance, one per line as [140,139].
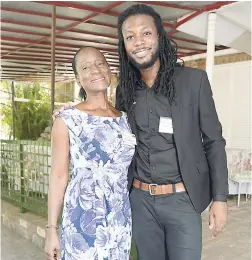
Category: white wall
[232,94]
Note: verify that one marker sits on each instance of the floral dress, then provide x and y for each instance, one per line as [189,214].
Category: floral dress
[96,220]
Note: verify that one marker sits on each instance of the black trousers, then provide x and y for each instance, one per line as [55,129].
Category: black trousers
[165,227]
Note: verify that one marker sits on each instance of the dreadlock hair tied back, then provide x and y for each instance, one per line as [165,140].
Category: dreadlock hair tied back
[167,55]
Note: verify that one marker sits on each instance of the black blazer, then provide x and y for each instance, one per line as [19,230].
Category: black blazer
[198,137]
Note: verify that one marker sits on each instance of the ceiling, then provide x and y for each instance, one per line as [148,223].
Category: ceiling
[26,33]
[232,26]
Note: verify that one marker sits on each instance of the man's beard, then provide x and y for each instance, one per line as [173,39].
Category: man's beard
[145,65]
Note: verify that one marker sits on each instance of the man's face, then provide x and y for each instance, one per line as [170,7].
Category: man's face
[141,40]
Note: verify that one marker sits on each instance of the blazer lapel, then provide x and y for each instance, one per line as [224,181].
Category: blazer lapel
[177,115]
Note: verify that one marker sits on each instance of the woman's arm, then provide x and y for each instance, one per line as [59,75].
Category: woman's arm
[59,171]
[57,185]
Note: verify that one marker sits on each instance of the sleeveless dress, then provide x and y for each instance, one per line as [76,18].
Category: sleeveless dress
[96,219]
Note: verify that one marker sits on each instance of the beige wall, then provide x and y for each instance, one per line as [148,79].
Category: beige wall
[201,63]
[232,94]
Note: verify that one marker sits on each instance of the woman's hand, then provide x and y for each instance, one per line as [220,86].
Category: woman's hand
[52,245]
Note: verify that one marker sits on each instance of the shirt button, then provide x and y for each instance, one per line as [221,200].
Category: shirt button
[153,168]
[151,111]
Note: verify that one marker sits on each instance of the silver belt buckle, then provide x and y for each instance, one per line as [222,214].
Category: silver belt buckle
[152,188]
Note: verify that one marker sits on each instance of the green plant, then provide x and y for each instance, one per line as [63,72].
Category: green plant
[31,114]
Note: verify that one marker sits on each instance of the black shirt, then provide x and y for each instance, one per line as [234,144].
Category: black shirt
[156,155]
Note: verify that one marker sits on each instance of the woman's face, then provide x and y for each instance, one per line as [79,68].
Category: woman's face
[93,71]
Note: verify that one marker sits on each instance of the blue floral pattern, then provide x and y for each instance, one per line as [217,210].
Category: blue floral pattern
[96,220]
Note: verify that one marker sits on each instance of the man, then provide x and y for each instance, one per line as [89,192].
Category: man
[180,161]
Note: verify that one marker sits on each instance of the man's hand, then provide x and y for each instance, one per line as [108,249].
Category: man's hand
[217,217]
[58,111]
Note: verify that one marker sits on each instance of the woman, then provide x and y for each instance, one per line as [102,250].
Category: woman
[96,138]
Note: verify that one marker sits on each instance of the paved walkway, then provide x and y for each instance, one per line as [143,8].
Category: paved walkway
[233,244]
[15,247]
[235,241]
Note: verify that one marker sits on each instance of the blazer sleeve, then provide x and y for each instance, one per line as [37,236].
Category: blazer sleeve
[119,102]
[213,141]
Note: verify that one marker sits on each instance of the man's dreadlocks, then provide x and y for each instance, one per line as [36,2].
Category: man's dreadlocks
[167,55]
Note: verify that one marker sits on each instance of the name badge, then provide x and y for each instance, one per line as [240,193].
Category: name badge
[165,125]
[129,138]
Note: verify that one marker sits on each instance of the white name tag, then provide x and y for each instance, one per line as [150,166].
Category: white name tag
[165,125]
[129,139]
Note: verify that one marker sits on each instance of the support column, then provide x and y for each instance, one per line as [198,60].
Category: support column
[210,45]
[53,30]
[13,110]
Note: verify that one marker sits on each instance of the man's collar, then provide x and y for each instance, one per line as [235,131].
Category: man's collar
[140,84]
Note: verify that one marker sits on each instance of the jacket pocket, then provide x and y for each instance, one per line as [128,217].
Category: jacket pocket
[202,166]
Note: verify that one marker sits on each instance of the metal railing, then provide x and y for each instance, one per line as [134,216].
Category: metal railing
[25,167]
